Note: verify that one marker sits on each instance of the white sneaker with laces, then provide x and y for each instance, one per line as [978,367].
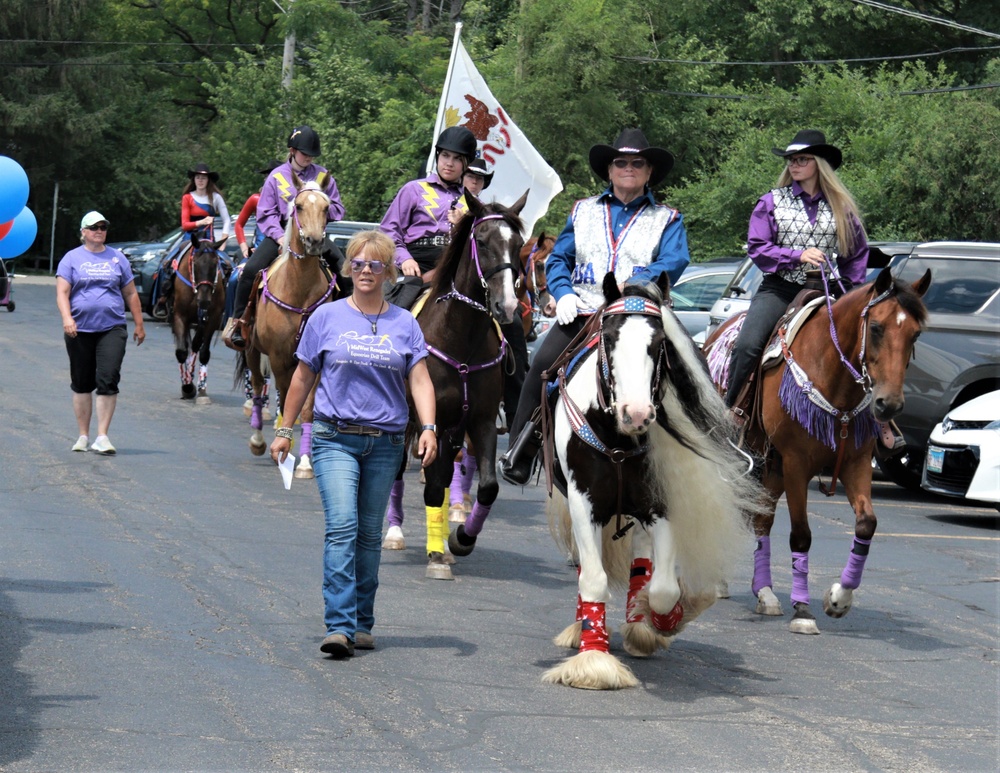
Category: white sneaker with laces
[103,446]
[81,443]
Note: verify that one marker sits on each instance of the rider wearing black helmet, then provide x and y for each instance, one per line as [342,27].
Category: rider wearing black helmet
[272,216]
[417,220]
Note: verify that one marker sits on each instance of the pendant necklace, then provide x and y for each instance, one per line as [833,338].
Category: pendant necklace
[373,323]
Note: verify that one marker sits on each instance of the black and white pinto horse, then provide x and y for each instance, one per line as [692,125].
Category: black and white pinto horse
[655,489]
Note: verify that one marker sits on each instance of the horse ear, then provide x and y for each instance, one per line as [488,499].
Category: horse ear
[921,286]
[296,182]
[195,240]
[611,291]
[663,282]
[223,240]
[519,204]
[883,281]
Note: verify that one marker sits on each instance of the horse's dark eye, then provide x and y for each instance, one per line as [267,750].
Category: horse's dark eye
[877,332]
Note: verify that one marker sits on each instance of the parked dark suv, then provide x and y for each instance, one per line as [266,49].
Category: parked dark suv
[957,357]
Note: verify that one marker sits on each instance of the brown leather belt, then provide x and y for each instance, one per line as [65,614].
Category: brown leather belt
[359,429]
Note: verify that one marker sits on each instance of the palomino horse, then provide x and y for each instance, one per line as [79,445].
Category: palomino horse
[199,299]
[533,293]
[291,289]
[645,455]
[818,408]
[473,287]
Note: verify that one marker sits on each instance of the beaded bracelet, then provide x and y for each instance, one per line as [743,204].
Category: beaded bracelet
[285,432]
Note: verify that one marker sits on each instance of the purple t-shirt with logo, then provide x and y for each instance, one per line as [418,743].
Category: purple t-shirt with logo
[96,281]
[362,375]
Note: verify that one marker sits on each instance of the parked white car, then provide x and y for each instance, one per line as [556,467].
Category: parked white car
[963,453]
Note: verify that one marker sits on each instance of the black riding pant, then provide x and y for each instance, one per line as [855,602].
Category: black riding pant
[556,340]
[262,257]
[768,305]
[514,382]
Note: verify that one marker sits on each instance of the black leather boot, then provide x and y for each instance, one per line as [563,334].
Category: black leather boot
[518,463]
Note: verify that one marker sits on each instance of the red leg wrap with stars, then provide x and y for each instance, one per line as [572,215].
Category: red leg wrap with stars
[593,633]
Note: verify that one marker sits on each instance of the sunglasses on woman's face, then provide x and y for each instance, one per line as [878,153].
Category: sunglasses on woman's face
[98,227]
[635,163]
[375,266]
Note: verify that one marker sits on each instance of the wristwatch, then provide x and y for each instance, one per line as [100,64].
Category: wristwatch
[432,427]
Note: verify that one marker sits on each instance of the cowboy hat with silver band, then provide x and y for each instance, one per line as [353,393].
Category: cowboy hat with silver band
[631,142]
[478,167]
[812,142]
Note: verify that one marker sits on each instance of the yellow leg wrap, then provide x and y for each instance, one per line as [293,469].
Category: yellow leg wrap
[437,526]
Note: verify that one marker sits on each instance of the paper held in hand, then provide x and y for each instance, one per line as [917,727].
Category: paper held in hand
[287,467]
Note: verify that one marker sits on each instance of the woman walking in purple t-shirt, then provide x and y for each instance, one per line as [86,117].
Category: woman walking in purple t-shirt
[359,352]
[93,286]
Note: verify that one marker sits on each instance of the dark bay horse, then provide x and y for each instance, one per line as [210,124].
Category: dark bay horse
[818,408]
[199,300]
[533,293]
[653,483]
[291,288]
[473,290]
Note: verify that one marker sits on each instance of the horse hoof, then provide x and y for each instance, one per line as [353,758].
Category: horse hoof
[768,604]
[591,670]
[187,391]
[722,590]
[248,408]
[803,621]
[202,398]
[837,600]
[257,444]
[265,413]
[456,514]
[394,539]
[304,470]
[448,557]
[437,569]
[460,543]
[640,640]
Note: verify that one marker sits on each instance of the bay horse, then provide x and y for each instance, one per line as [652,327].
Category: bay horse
[533,293]
[199,300]
[839,375]
[291,289]
[472,291]
[649,482]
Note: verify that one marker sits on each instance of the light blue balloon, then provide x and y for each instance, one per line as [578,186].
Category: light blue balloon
[13,188]
[21,235]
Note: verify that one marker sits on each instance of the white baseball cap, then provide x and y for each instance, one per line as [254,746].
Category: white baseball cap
[93,218]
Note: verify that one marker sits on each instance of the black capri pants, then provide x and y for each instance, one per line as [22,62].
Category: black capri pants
[95,360]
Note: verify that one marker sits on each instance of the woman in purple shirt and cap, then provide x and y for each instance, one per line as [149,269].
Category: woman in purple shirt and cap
[808,220]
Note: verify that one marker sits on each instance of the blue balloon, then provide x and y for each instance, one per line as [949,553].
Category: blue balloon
[13,188]
[21,235]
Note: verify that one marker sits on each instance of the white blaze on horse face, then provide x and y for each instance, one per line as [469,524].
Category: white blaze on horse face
[632,371]
[900,318]
[509,300]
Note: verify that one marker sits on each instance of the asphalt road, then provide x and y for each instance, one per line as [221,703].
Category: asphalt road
[161,610]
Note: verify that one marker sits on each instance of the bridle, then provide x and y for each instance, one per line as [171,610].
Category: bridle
[295,219]
[605,378]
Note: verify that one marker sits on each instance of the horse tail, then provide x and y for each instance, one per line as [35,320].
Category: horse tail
[239,368]
[699,470]
[616,555]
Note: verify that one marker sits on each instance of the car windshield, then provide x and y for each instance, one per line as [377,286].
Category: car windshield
[957,286]
[699,292]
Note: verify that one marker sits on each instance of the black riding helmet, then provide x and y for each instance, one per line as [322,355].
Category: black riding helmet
[305,139]
[459,140]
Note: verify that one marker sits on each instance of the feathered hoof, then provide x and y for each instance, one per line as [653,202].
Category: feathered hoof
[456,513]
[202,398]
[460,543]
[768,604]
[694,604]
[569,639]
[837,600]
[641,640]
[722,590]
[803,621]
[304,469]
[394,539]
[591,670]
[187,391]
[437,569]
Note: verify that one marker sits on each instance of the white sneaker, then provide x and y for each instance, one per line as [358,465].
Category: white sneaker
[81,443]
[103,446]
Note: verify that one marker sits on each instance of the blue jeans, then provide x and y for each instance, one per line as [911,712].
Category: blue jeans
[355,475]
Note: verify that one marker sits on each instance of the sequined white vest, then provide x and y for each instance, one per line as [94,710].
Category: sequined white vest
[795,230]
[597,253]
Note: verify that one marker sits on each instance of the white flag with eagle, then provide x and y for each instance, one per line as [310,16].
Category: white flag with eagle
[516,165]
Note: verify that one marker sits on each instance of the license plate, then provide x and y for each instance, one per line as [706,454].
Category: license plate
[935,459]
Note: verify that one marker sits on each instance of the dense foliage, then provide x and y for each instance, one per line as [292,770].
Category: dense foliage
[116,99]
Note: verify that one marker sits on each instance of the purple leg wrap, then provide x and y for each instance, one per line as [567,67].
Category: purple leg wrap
[307,436]
[474,520]
[851,576]
[256,420]
[762,565]
[395,513]
[455,497]
[800,578]
[470,466]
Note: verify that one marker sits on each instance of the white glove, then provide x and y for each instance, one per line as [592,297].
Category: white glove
[567,308]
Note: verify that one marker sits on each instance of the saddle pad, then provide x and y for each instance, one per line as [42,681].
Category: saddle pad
[772,355]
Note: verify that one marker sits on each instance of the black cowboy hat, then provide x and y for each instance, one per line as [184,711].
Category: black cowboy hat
[631,142]
[813,142]
[203,169]
[270,167]
[478,167]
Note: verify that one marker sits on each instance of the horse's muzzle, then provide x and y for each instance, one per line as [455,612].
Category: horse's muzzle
[635,418]
[886,408]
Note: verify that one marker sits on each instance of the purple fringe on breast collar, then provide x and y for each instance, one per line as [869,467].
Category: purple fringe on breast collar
[823,426]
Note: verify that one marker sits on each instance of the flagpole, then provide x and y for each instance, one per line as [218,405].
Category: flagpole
[439,123]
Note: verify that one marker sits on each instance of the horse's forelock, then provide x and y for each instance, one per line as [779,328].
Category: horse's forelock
[911,303]
[646,290]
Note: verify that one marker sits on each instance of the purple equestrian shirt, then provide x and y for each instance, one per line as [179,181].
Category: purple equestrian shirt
[272,207]
[362,375]
[96,280]
[770,257]
[420,209]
